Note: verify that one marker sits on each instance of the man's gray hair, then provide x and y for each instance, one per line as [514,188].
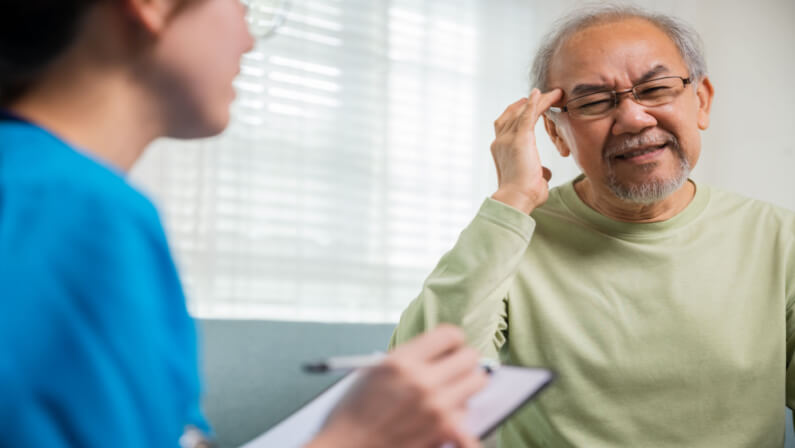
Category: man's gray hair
[683,35]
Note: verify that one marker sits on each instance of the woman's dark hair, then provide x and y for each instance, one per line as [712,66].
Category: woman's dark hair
[32,34]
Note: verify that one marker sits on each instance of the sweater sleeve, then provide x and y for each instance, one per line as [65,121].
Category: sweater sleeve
[790,324]
[469,286]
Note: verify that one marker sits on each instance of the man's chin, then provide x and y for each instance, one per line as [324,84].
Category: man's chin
[649,182]
[647,192]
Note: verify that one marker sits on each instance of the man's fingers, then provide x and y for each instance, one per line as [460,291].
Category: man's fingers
[538,104]
[527,109]
[508,116]
[432,344]
[548,99]
[521,123]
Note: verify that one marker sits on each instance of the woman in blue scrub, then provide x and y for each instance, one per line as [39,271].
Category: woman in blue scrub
[96,346]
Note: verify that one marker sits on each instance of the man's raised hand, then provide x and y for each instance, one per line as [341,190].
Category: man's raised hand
[522,180]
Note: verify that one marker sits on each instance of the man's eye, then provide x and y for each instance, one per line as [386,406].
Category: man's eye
[598,104]
[655,91]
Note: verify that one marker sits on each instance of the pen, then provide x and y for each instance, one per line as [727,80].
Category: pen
[337,363]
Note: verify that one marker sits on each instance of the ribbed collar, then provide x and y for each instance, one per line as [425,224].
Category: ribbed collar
[610,226]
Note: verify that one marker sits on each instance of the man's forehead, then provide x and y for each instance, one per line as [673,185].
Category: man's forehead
[625,51]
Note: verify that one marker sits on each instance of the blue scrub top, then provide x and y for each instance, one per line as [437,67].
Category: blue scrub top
[96,346]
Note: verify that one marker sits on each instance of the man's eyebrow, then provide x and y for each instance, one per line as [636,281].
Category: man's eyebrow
[585,89]
[651,74]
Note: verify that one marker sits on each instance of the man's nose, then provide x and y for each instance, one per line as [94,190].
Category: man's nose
[631,117]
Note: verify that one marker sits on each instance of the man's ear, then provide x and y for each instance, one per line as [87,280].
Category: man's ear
[151,15]
[554,135]
[704,92]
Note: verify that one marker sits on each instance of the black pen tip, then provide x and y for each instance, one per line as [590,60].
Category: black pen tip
[316,368]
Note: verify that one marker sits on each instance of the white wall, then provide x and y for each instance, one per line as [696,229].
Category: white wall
[750,48]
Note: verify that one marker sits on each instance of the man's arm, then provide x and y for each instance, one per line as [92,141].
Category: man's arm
[469,286]
[790,317]
[415,398]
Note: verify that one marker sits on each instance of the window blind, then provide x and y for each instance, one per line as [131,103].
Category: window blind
[351,164]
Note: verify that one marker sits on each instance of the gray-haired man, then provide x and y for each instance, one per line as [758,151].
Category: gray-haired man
[664,306]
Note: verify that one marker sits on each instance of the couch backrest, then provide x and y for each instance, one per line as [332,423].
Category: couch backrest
[252,372]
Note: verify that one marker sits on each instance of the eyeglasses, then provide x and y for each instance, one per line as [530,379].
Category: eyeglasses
[655,92]
[264,17]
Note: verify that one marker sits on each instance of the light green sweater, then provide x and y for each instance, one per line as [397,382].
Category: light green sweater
[671,334]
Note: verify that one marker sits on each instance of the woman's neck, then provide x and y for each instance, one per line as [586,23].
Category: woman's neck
[101,115]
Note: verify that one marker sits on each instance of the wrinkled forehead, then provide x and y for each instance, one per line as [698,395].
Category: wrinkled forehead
[615,54]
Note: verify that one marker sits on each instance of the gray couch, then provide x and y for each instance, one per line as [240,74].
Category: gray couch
[252,374]
[252,369]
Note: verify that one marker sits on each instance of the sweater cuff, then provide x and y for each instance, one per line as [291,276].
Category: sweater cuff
[508,217]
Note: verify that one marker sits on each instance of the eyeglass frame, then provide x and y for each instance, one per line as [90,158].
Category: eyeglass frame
[616,93]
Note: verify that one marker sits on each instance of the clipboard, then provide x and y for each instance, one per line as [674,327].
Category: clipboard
[508,389]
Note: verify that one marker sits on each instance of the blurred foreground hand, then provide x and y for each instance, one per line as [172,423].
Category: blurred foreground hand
[416,397]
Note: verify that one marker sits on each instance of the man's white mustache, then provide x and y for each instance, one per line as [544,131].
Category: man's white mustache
[640,141]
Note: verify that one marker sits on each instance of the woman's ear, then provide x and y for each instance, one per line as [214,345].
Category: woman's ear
[151,15]
[554,135]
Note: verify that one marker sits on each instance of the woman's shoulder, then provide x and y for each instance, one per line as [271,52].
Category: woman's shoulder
[39,172]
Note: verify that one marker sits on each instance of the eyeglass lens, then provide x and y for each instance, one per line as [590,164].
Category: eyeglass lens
[651,93]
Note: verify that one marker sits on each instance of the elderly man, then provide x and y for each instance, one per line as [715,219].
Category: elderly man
[665,306]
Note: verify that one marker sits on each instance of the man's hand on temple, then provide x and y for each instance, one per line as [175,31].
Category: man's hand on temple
[522,180]
[415,398]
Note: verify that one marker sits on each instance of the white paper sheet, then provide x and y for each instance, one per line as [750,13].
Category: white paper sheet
[507,390]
